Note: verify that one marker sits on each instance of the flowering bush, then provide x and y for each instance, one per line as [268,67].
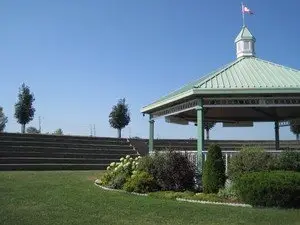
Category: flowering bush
[141,182]
[118,172]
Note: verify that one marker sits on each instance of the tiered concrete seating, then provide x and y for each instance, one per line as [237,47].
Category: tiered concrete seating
[48,152]
[226,145]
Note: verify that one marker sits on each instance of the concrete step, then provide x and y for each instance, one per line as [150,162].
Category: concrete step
[34,160]
[62,144]
[52,166]
[62,155]
[65,150]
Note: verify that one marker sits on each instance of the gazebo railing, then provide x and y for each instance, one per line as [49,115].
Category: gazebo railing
[192,155]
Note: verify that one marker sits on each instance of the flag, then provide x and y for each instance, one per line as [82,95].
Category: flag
[245,9]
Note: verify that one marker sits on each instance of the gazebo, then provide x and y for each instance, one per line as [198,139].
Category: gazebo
[246,90]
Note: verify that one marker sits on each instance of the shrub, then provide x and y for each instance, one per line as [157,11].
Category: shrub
[228,192]
[214,170]
[275,188]
[141,182]
[289,160]
[118,172]
[171,170]
[118,181]
[250,159]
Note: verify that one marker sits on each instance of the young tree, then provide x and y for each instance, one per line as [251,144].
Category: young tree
[24,111]
[58,132]
[32,130]
[119,116]
[208,125]
[295,128]
[3,120]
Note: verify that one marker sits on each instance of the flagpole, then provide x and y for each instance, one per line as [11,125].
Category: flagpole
[243,14]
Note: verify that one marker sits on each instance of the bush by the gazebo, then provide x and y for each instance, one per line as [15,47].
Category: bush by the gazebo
[270,189]
[117,173]
[250,159]
[141,182]
[172,171]
[214,170]
[289,160]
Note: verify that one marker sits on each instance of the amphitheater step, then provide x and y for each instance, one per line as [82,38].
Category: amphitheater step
[63,155]
[33,160]
[52,166]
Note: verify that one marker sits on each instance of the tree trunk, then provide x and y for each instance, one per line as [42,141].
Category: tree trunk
[207,134]
[297,136]
[119,133]
[23,128]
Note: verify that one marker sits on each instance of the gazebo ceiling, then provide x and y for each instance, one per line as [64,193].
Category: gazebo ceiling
[248,76]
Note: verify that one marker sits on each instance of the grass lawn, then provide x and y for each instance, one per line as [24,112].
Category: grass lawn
[70,197]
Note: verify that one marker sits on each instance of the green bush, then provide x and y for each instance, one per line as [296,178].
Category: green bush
[271,189]
[228,192]
[214,170]
[171,194]
[289,160]
[250,159]
[140,182]
[171,170]
[118,172]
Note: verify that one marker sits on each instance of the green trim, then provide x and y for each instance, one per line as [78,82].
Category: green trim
[246,75]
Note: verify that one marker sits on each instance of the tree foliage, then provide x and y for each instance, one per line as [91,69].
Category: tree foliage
[119,116]
[24,110]
[214,170]
[59,131]
[3,120]
[208,125]
[295,127]
[32,130]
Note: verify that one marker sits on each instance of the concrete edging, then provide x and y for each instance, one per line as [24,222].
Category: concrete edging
[177,199]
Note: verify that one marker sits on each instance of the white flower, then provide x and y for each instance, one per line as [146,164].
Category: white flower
[112,164]
[122,159]
[127,156]
[108,168]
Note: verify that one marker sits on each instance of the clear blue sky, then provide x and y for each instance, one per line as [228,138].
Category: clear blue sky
[79,57]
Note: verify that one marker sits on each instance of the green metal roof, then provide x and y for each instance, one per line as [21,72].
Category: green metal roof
[244,34]
[246,75]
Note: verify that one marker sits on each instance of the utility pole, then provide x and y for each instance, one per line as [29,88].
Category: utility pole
[94,130]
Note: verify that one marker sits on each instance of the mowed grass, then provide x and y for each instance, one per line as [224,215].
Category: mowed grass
[70,197]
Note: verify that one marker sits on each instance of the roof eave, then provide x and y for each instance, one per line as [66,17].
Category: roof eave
[207,92]
[158,104]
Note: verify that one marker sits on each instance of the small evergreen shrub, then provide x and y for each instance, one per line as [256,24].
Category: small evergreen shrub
[250,159]
[214,170]
[140,182]
[171,170]
[289,160]
[270,189]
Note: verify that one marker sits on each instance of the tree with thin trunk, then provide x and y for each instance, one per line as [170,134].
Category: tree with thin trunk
[295,128]
[3,120]
[119,116]
[208,125]
[24,110]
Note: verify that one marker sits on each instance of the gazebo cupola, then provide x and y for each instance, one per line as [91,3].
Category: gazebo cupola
[245,43]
